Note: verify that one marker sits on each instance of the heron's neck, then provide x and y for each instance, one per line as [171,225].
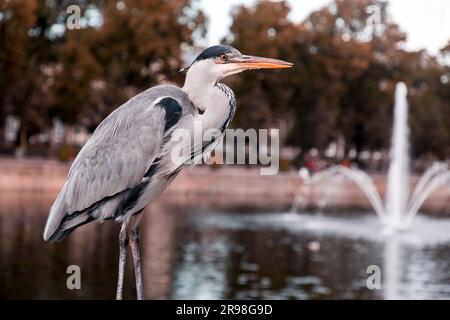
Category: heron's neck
[215,100]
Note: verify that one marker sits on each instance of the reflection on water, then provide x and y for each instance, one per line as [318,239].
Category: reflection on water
[190,252]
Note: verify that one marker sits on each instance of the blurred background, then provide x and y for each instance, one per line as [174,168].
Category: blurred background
[206,239]
[57,85]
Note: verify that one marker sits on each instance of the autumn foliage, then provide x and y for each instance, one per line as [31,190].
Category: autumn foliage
[341,88]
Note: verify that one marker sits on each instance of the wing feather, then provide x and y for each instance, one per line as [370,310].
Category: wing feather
[116,157]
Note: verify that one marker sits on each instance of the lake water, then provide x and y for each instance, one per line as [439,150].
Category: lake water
[193,251]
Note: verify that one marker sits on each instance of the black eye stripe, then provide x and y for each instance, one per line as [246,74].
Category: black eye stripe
[215,52]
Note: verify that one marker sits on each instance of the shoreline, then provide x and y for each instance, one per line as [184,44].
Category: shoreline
[226,187]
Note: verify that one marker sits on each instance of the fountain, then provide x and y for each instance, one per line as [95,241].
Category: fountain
[398,174]
[401,206]
[413,263]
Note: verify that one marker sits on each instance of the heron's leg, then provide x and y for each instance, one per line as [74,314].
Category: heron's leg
[123,246]
[135,250]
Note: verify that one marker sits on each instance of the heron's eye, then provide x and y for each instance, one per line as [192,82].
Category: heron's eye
[223,58]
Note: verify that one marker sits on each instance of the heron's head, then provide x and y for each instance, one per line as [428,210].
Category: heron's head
[218,62]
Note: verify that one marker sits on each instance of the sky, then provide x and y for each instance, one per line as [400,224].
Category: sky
[426,22]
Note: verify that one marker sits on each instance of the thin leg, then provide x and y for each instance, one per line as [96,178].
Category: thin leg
[123,246]
[135,250]
[134,244]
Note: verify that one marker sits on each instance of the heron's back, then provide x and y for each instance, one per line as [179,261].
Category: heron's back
[118,171]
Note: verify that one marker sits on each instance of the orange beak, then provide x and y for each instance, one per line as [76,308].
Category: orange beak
[252,62]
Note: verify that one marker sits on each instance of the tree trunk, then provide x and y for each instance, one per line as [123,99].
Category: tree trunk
[23,142]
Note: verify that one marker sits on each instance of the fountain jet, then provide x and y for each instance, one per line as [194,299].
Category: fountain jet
[398,174]
[401,207]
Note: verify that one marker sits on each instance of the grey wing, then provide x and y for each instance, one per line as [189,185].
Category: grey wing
[117,156]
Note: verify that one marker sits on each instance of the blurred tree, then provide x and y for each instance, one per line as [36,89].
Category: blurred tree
[429,105]
[29,34]
[80,75]
[16,19]
[353,49]
[348,56]
[263,30]
[74,87]
[139,43]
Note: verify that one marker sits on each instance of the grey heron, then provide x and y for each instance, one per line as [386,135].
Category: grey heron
[126,162]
